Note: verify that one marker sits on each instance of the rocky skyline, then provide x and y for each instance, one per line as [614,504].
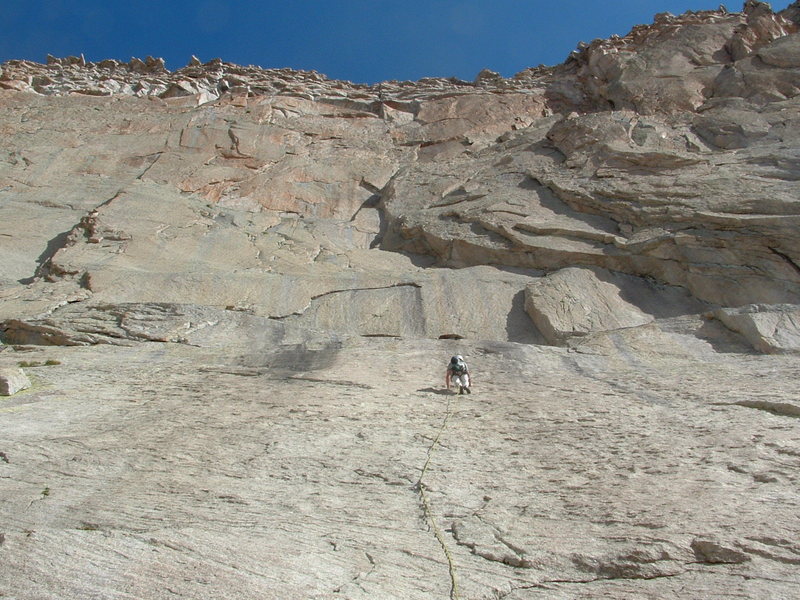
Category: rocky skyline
[351,40]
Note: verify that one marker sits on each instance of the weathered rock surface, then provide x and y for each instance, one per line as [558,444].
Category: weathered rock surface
[575,302]
[496,171]
[13,381]
[627,470]
[246,282]
[771,329]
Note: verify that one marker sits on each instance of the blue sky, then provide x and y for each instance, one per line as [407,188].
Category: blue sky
[365,41]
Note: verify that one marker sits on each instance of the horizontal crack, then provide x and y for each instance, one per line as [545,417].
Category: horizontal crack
[604,579]
[363,386]
[332,292]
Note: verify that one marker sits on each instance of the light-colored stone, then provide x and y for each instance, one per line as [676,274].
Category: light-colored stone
[245,284]
[769,328]
[299,466]
[13,381]
[575,302]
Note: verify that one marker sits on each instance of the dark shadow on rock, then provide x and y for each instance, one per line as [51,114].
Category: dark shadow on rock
[439,391]
[527,271]
[660,300]
[53,246]
[545,148]
[390,239]
[722,339]
[376,201]
[550,200]
[519,327]
[482,232]
[296,358]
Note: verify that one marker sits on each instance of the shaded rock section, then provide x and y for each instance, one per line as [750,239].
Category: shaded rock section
[774,329]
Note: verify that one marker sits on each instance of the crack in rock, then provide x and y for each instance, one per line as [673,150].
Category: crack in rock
[786,258]
[490,545]
[359,577]
[313,299]
[420,488]
[362,386]
[87,228]
[154,160]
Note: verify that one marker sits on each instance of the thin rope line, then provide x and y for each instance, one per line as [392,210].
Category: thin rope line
[420,487]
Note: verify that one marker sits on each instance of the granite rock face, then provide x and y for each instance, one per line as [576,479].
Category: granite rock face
[642,463]
[554,168]
[13,381]
[771,329]
[575,302]
[247,279]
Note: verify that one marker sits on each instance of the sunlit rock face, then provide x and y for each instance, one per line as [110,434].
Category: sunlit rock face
[668,154]
[234,290]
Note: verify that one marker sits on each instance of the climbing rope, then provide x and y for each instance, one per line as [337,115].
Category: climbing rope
[426,504]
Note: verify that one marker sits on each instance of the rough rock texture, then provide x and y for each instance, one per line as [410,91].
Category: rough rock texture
[249,280]
[772,329]
[627,469]
[13,381]
[576,301]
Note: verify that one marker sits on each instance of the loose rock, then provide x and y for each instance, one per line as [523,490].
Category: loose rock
[13,381]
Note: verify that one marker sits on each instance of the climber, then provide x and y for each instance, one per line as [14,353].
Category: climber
[458,373]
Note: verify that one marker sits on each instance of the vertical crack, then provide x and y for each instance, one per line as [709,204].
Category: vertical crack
[420,488]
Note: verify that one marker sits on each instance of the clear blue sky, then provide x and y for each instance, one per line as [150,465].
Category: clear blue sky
[364,41]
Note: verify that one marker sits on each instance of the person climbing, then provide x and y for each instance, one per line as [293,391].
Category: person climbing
[458,373]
